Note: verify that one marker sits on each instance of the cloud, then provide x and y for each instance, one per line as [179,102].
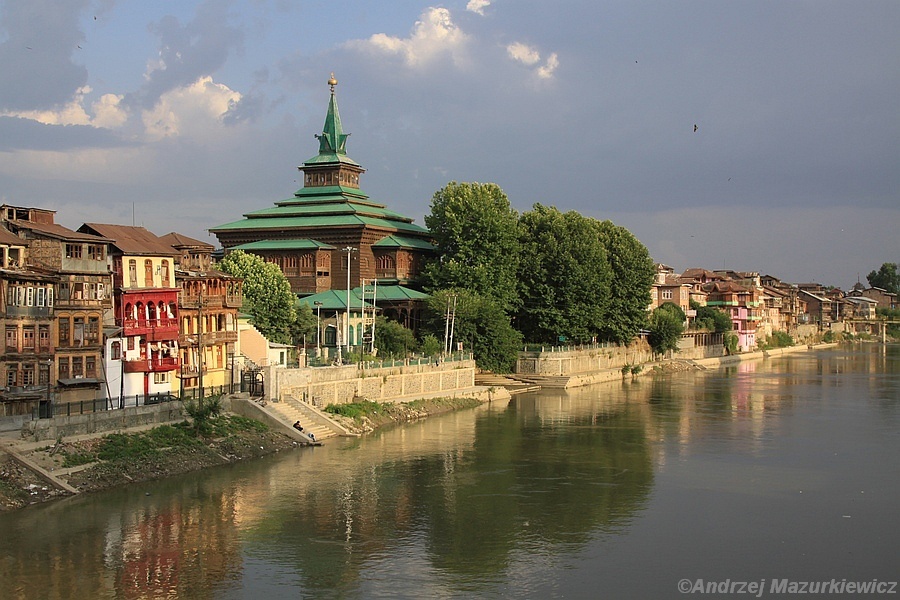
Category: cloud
[530,56]
[36,56]
[523,53]
[106,112]
[433,36]
[478,6]
[188,52]
[193,110]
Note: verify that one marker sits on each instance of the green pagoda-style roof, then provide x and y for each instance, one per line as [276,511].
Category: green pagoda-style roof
[284,245]
[334,300]
[399,241]
[391,293]
[333,141]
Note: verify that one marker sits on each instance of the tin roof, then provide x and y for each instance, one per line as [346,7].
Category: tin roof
[178,241]
[130,240]
[303,244]
[400,241]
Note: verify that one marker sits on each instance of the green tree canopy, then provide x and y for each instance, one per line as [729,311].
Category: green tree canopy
[711,318]
[393,339]
[304,326]
[564,276]
[267,294]
[886,278]
[632,277]
[475,230]
[480,325]
[666,327]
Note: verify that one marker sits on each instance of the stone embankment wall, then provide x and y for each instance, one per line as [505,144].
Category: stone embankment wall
[106,421]
[597,358]
[339,385]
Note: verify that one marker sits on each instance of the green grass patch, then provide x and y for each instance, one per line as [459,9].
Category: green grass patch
[357,410]
[74,459]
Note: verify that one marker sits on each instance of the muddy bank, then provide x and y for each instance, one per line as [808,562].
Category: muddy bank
[375,416]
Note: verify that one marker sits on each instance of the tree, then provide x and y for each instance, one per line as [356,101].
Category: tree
[304,324]
[267,294]
[480,324]
[475,231]
[666,327]
[564,276]
[393,339]
[632,277]
[886,278]
[711,318]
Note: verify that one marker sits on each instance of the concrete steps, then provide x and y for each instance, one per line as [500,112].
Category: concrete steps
[313,420]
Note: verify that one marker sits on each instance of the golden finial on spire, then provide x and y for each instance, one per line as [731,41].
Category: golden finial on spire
[332,82]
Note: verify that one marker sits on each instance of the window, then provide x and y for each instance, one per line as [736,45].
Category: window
[12,375]
[29,297]
[131,343]
[77,366]
[78,331]
[92,333]
[161,377]
[148,273]
[95,252]
[63,366]
[28,375]
[44,338]
[90,366]
[101,292]
[28,339]
[115,350]
[132,273]
[41,296]
[165,273]
[63,331]
[12,338]
[73,250]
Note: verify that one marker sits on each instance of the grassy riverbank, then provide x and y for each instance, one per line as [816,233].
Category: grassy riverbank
[366,416]
[97,463]
[101,462]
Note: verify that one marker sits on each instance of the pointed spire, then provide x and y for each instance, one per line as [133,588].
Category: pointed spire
[333,139]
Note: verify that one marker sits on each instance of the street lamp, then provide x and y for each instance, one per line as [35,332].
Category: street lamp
[349,250]
[318,328]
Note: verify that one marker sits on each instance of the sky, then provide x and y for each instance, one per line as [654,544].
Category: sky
[748,135]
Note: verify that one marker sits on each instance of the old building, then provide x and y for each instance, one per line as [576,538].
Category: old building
[330,235]
[146,310]
[77,263]
[208,303]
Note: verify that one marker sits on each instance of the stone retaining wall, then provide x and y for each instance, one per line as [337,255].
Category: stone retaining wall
[340,385]
[106,421]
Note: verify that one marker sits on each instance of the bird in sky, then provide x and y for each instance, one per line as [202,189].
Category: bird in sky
[695,128]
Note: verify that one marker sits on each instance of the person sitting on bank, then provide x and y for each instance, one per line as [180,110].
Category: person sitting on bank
[298,426]
[311,436]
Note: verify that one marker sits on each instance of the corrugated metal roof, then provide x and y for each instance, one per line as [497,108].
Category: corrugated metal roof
[303,244]
[10,239]
[334,300]
[176,240]
[131,240]
[392,293]
[58,231]
[282,223]
[336,208]
[399,241]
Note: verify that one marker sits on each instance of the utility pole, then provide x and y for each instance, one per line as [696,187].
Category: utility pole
[200,343]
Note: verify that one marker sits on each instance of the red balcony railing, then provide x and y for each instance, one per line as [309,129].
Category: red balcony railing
[144,365]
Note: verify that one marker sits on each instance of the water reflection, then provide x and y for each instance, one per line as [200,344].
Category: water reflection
[480,502]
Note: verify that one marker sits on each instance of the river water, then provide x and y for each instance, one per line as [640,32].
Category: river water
[779,469]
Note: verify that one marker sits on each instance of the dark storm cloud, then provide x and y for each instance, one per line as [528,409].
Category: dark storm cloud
[25,134]
[36,58]
[189,51]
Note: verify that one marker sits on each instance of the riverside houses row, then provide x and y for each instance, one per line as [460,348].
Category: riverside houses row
[760,305]
[109,312]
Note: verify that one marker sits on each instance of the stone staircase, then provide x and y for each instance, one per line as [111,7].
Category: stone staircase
[313,420]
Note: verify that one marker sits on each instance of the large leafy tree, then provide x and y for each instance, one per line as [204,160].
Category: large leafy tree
[564,276]
[886,278]
[632,278]
[480,325]
[665,326]
[303,328]
[267,294]
[393,339]
[475,230]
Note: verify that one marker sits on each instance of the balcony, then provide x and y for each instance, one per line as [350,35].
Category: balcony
[153,331]
[151,365]
[209,338]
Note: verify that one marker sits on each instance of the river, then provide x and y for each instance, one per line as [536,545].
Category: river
[770,471]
